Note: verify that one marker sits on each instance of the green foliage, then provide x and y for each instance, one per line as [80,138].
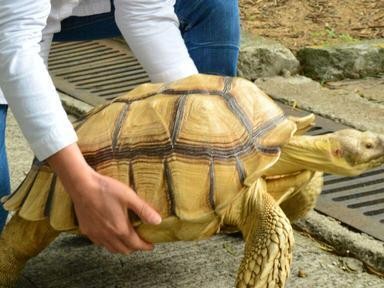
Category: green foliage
[330,32]
[330,36]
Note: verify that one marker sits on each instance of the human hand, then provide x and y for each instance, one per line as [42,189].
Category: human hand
[102,203]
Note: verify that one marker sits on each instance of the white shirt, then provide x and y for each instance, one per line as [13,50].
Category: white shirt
[26,29]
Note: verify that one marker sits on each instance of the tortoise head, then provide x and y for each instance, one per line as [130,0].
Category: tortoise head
[345,152]
[362,150]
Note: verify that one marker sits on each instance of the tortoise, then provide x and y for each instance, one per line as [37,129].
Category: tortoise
[206,152]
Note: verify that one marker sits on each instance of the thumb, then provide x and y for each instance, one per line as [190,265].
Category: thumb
[146,213]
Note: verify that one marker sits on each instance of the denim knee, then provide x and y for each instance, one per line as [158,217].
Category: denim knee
[211,31]
[225,20]
[220,18]
[4,172]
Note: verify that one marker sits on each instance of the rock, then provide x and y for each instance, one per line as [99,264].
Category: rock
[261,57]
[301,274]
[352,264]
[368,88]
[352,60]
[345,242]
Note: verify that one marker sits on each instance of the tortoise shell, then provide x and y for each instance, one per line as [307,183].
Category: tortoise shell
[188,148]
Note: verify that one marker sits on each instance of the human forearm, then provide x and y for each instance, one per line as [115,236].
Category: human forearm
[25,80]
[72,169]
[151,30]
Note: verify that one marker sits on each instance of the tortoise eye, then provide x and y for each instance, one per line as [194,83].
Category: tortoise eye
[368,145]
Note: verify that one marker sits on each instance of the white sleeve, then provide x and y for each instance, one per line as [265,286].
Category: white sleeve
[151,29]
[25,80]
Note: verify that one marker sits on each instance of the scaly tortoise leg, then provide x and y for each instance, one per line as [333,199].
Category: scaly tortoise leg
[20,241]
[268,236]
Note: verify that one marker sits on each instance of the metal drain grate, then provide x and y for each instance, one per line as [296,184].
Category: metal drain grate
[358,202]
[98,71]
[95,71]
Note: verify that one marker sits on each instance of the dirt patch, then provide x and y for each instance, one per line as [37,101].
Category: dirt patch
[300,23]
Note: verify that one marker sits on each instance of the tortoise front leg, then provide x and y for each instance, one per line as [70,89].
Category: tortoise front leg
[269,239]
[20,241]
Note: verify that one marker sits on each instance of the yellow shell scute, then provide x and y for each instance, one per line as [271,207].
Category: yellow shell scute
[208,121]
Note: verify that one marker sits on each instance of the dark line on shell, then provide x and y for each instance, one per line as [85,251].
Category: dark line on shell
[268,125]
[192,91]
[235,107]
[130,101]
[170,92]
[48,203]
[227,85]
[164,151]
[212,184]
[118,124]
[131,177]
[170,189]
[265,128]
[82,119]
[240,170]
[180,105]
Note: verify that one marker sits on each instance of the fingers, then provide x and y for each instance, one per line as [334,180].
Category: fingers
[142,209]
[123,240]
[104,216]
[133,241]
[138,205]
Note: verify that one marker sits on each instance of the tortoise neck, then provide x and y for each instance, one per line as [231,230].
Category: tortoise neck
[317,153]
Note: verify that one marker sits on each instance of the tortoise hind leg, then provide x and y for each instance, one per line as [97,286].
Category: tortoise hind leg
[20,241]
[269,239]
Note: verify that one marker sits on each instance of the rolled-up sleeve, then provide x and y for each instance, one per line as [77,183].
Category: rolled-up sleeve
[25,80]
[151,29]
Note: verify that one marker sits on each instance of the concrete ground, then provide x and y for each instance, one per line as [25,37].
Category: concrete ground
[72,262]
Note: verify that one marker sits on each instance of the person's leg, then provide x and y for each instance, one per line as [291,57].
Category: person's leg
[99,26]
[211,31]
[4,172]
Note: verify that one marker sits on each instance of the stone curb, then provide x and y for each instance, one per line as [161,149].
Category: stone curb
[344,241]
[349,60]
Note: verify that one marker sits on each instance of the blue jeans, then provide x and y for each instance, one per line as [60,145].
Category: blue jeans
[5,187]
[210,28]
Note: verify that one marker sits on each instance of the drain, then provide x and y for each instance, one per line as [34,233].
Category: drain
[95,71]
[98,71]
[358,201]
